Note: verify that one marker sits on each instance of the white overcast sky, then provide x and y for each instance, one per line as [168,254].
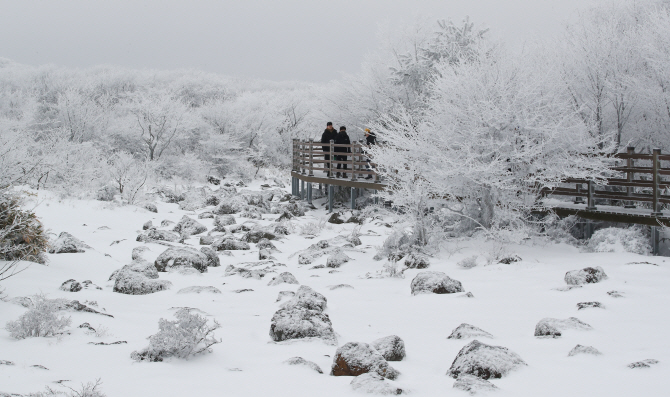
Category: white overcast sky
[308,40]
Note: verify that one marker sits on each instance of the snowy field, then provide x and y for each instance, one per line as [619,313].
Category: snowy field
[508,301]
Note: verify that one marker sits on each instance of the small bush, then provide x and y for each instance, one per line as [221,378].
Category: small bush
[187,336]
[90,389]
[469,262]
[612,239]
[22,236]
[41,320]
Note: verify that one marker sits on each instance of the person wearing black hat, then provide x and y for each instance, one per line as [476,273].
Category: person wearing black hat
[328,134]
[342,139]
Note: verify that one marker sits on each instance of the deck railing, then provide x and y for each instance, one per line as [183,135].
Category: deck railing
[309,157]
[638,183]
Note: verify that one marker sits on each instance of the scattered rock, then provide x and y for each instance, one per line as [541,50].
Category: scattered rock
[151,207]
[221,221]
[302,362]
[212,258]
[80,307]
[189,226]
[87,326]
[166,223]
[466,331]
[230,244]
[567,288]
[138,252]
[392,348]
[284,278]
[335,218]
[181,257]
[199,290]
[257,235]
[340,286]
[264,254]
[158,235]
[588,275]
[298,323]
[554,327]
[121,342]
[133,283]
[436,283]
[5,362]
[308,298]
[336,259]
[207,240]
[213,180]
[239,291]
[285,294]
[579,349]
[141,266]
[467,295]
[473,384]
[355,358]
[317,267]
[372,383]
[643,364]
[246,273]
[585,305]
[224,209]
[266,244]
[206,215]
[416,261]
[510,259]
[71,285]
[484,361]
[40,367]
[615,294]
[147,225]
[67,244]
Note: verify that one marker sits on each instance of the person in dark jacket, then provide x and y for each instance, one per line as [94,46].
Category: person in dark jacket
[370,139]
[328,134]
[342,139]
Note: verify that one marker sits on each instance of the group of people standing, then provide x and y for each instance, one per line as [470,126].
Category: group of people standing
[342,138]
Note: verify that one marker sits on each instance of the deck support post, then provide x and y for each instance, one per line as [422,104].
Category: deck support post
[331,193]
[655,234]
[579,199]
[353,198]
[588,229]
[302,190]
[309,193]
[591,205]
[629,177]
[656,165]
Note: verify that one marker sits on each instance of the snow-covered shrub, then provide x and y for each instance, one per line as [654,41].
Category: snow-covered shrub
[612,239]
[187,336]
[310,229]
[468,262]
[41,320]
[91,389]
[22,236]
[558,229]
[396,246]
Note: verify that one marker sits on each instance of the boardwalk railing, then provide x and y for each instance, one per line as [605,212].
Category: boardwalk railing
[641,180]
[309,157]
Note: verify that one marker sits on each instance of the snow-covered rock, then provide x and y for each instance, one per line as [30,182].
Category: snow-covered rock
[484,361]
[151,207]
[284,294]
[466,331]
[473,385]
[307,298]
[147,269]
[298,323]
[339,286]
[255,236]
[206,215]
[133,283]
[266,244]
[197,289]
[372,383]
[588,275]
[416,261]
[579,349]
[337,259]
[283,278]
[159,235]
[67,244]
[71,285]
[246,273]
[212,258]
[147,225]
[554,327]
[181,257]
[304,363]
[230,244]
[392,347]
[138,252]
[225,209]
[643,364]
[189,226]
[221,221]
[436,283]
[356,358]
[586,305]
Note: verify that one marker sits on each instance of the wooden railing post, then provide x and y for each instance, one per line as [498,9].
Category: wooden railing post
[656,181]
[301,145]
[332,170]
[579,199]
[294,156]
[311,157]
[590,205]
[353,161]
[629,177]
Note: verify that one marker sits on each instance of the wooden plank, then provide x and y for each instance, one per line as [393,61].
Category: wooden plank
[623,217]
[340,182]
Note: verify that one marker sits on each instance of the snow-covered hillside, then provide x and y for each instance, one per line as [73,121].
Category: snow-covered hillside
[505,300]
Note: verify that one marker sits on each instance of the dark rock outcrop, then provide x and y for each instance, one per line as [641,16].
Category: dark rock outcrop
[355,358]
[586,305]
[588,275]
[181,257]
[484,361]
[436,283]
[71,285]
[417,261]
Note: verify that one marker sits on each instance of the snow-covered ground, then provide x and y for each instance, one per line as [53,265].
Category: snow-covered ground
[508,302]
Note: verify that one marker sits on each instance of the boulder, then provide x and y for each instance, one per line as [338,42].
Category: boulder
[147,269]
[159,235]
[466,331]
[281,230]
[299,323]
[372,383]
[225,209]
[416,261]
[212,257]
[392,348]
[181,257]
[197,289]
[151,207]
[588,275]
[255,236]
[473,385]
[207,240]
[586,305]
[356,358]
[71,285]
[307,298]
[284,278]
[147,225]
[230,244]
[436,283]
[221,221]
[484,361]
[213,180]
[206,215]
[335,218]
[264,254]
[189,226]
[304,363]
[554,327]
[579,349]
[138,252]
[266,244]
[133,283]
[246,273]
[337,259]
[67,244]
